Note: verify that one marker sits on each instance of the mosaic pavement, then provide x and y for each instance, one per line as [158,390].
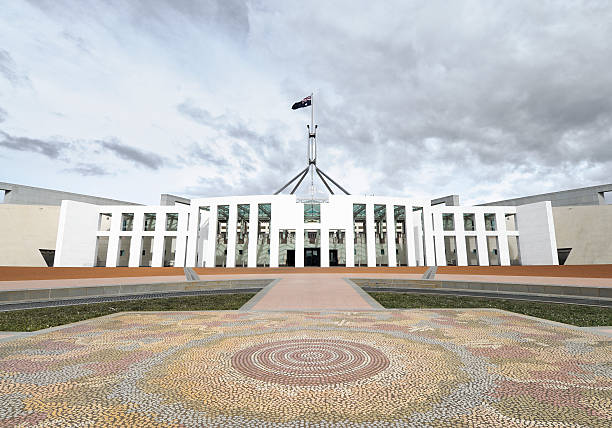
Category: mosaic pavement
[401,368]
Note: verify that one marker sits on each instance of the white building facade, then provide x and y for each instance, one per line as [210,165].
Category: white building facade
[280,230]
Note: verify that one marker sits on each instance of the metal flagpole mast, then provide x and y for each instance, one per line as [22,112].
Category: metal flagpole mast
[312,138]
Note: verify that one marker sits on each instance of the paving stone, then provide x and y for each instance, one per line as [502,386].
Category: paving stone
[403,368]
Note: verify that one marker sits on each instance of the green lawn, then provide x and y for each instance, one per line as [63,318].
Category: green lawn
[582,316]
[36,319]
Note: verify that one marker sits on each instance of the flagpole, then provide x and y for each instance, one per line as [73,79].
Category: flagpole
[313,145]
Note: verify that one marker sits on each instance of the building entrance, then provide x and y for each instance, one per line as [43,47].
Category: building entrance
[333,257]
[290,257]
[312,257]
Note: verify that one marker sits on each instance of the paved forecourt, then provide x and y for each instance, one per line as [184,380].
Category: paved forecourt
[416,368]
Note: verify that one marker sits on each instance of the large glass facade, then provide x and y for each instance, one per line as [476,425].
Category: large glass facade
[127,221]
[286,247]
[264,218]
[359,225]
[490,222]
[172,222]
[242,235]
[399,214]
[221,239]
[312,248]
[380,235]
[469,222]
[149,222]
[337,247]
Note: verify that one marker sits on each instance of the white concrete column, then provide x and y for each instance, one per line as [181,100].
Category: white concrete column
[483,253]
[274,244]
[392,256]
[231,235]
[370,235]
[324,247]
[299,246]
[410,238]
[349,239]
[429,237]
[192,235]
[253,221]
[181,239]
[113,239]
[136,241]
[461,249]
[440,253]
[504,251]
[212,237]
[157,257]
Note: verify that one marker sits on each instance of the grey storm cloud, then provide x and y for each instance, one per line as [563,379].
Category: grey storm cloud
[139,157]
[50,149]
[88,170]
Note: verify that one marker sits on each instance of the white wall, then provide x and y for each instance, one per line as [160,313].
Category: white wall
[537,240]
[76,234]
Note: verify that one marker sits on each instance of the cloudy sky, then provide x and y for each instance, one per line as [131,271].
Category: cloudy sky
[130,99]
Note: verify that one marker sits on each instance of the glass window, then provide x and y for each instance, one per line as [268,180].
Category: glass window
[149,222]
[359,224]
[123,255]
[337,248]
[169,250]
[146,251]
[450,250]
[490,222]
[172,222]
[380,235]
[221,241]
[127,221]
[242,234]
[101,251]
[469,224]
[448,221]
[312,213]
[472,250]
[264,218]
[286,248]
[399,214]
[493,250]
[514,250]
[104,222]
[511,222]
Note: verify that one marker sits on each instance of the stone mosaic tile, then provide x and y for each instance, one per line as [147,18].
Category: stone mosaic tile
[412,368]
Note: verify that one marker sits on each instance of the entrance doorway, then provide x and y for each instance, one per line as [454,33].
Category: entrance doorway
[312,257]
[290,257]
[333,257]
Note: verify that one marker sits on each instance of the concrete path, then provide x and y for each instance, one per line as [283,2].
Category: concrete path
[307,292]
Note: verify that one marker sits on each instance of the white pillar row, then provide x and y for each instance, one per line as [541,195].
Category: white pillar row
[181,239]
[504,252]
[349,240]
[192,236]
[410,238]
[274,243]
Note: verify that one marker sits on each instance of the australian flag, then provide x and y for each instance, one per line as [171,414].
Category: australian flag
[304,103]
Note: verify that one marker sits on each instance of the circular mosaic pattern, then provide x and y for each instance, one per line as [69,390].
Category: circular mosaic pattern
[310,361]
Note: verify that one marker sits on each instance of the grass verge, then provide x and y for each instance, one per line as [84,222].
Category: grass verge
[36,319]
[578,315]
